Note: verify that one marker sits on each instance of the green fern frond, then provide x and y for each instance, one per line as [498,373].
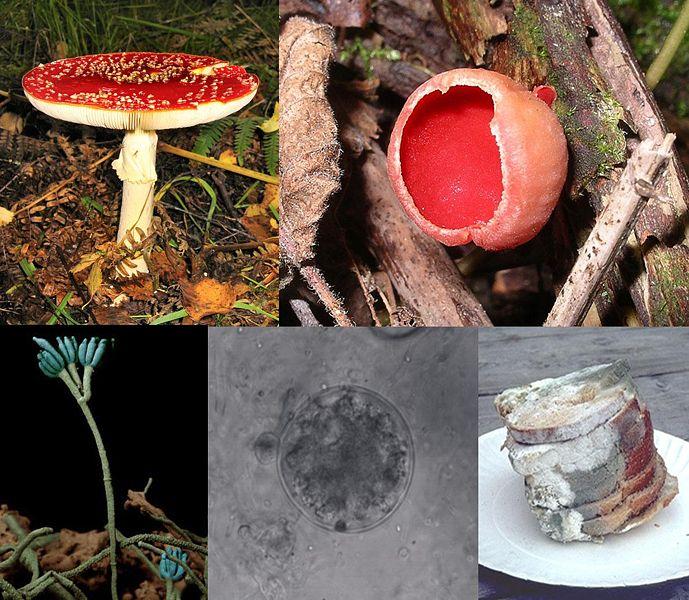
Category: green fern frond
[243,136]
[210,134]
[271,153]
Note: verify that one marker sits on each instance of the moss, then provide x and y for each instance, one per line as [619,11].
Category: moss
[527,31]
[670,287]
[357,47]
[611,145]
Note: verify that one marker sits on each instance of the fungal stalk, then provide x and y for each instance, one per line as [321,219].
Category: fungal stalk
[60,363]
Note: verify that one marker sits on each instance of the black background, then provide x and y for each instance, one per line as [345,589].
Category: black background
[149,400]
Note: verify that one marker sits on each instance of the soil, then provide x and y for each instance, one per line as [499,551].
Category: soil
[59,181]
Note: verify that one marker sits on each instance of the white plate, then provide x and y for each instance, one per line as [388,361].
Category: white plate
[510,540]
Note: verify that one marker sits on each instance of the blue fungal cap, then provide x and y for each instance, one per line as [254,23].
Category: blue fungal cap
[68,349]
[170,569]
[50,361]
[49,365]
[91,351]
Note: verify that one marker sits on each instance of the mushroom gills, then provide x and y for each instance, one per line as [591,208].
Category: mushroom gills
[450,158]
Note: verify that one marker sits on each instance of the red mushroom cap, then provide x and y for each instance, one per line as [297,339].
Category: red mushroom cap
[148,90]
[474,156]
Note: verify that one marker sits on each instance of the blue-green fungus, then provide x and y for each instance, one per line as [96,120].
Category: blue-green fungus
[170,569]
[91,351]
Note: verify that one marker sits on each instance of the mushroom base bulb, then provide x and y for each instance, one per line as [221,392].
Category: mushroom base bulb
[475,157]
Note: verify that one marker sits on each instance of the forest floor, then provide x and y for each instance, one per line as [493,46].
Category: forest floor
[214,259]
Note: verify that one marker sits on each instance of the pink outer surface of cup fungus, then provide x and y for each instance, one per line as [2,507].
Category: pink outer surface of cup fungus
[474,156]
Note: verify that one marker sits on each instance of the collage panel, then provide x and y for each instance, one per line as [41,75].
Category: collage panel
[138,162]
[342,464]
[467,218]
[583,464]
[103,482]
[474,163]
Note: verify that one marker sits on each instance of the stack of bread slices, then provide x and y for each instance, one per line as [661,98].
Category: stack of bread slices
[584,444]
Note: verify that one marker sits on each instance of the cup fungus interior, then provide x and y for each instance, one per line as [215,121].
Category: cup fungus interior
[450,159]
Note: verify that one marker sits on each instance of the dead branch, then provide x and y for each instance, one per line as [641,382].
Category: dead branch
[610,232]
[218,163]
[304,313]
[657,294]
[420,268]
[309,149]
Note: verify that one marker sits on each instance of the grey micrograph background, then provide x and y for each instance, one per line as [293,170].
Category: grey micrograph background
[261,546]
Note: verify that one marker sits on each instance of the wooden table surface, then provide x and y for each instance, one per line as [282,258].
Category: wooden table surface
[511,356]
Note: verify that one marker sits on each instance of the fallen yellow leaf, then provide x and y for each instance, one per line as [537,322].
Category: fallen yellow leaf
[255,210]
[6,216]
[209,297]
[95,278]
[86,261]
[228,156]
[272,124]
[271,195]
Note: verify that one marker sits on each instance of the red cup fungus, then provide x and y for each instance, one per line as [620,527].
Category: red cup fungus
[475,157]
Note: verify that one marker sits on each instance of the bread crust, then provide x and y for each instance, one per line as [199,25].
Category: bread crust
[567,407]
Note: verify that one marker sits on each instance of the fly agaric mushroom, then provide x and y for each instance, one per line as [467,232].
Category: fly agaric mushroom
[139,92]
[474,156]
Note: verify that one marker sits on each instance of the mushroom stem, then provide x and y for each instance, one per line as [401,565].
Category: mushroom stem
[135,166]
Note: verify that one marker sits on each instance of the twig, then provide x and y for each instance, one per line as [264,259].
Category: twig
[218,178]
[365,289]
[315,280]
[304,313]
[240,245]
[610,233]
[218,163]
[419,267]
[13,96]
[57,187]
[51,190]
[672,42]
